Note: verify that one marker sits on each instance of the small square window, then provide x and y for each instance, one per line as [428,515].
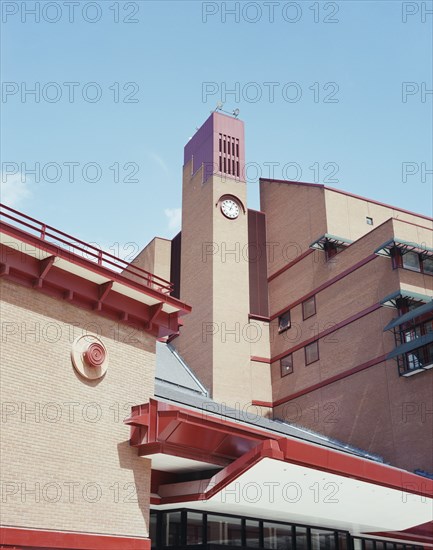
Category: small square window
[284,321]
[411,261]
[369,220]
[312,352]
[427,265]
[309,308]
[286,365]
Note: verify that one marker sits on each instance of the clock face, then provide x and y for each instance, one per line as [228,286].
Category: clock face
[230,209]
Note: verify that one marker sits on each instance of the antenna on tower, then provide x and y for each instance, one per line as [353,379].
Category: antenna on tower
[219,107]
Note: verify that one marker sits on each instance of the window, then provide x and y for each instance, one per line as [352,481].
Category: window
[416,360]
[369,220]
[322,539]
[301,538]
[278,536]
[427,265]
[172,529]
[286,365]
[224,530]
[309,308]
[332,249]
[194,528]
[412,333]
[311,352]
[252,533]
[284,321]
[411,261]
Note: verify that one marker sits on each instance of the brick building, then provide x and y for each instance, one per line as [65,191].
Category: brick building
[276,394]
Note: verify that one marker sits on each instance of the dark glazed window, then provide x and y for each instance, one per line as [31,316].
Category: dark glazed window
[312,353]
[286,365]
[284,321]
[309,308]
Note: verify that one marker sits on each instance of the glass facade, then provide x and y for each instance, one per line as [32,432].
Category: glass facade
[189,530]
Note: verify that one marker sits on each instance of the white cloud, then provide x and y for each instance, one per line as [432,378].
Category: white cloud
[174,216]
[13,189]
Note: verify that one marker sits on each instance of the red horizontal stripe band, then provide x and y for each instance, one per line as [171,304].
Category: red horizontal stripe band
[327,332]
[290,264]
[326,285]
[260,359]
[322,384]
[20,536]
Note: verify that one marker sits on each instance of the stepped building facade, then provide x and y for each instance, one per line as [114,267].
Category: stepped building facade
[276,393]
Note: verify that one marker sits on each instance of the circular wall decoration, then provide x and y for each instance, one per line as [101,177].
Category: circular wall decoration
[89,357]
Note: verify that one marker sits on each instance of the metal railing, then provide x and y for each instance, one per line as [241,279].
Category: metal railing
[82,249]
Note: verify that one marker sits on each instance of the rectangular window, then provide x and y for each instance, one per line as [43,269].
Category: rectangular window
[312,353]
[194,528]
[284,321]
[277,536]
[224,530]
[252,533]
[412,333]
[322,539]
[172,529]
[411,261]
[301,538]
[309,308]
[369,220]
[427,265]
[412,361]
[286,365]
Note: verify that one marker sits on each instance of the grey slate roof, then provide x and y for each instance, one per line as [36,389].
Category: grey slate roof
[176,383]
[173,372]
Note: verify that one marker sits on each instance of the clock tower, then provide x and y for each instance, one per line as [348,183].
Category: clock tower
[214,274]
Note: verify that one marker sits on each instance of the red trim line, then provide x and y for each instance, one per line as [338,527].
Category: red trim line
[267,404]
[328,331]
[307,455]
[420,534]
[35,538]
[260,359]
[348,195]
[326,285]
[290,264]
[326,382]
[258,317]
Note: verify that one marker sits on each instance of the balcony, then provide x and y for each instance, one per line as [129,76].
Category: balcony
[44,258]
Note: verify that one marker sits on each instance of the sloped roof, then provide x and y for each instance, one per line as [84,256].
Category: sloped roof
[176,383]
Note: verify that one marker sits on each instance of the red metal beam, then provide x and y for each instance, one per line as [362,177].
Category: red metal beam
[160,419]
[104,289]
[44,266]
[82,292]
[64,254]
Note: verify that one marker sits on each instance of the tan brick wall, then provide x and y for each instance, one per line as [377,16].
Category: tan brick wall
[295,217]
[73,450]
[154,258]
[196,275]
[375,409]
[216,339]
[346,216]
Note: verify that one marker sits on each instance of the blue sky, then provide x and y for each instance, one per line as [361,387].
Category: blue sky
[351,104]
